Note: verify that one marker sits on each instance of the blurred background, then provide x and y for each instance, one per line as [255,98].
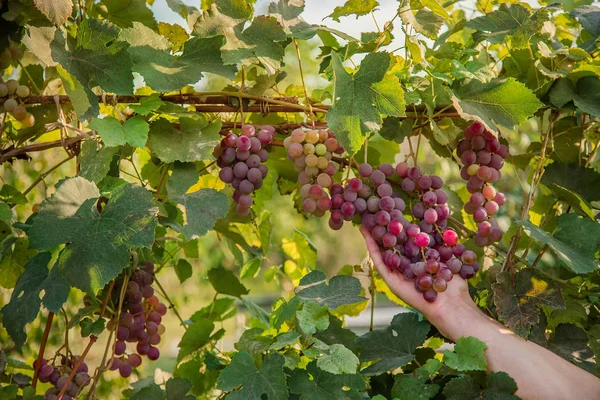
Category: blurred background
[334,250]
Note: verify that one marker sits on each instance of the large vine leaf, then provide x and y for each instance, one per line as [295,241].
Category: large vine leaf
[57,11]
[124,13]
[504,102]
[97,242]
[578,179]
[324,385]
[393,346]
[589,18]
[202,209]
[498,386]
[338,360]
[97,58]
[151,55]
[25,301]
[225,282]
[512,20]
[256,384]
[353,7]
[575,242]
[133,132]
[519,296]
[198,335]
[258,43]
[193,141]
[361,99]
[585,94]
[467,355]
[341,290]
[94,162]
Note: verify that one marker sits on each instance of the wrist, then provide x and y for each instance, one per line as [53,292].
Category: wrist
[458,318]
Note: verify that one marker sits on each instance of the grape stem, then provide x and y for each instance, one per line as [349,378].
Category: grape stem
[535,179]
[171,305]
[40,356]
[102,367]
[93,340]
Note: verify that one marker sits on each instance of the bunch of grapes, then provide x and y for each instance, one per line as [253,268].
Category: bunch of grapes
[14,91]
[139,322]
[241,160]
[483,157]
[58,374]
[425,250]
[311,152]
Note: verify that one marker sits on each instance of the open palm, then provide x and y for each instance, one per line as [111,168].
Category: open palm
[404,288]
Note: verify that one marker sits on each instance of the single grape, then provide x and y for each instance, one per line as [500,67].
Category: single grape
[120,347]
[22,91]
[125,370]
[134,360]
[10,104]
[430,295]
[422,239]
[469,257]
[153,353]
[440,285]
[12,86]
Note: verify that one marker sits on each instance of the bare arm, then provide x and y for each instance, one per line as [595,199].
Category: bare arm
[539,373]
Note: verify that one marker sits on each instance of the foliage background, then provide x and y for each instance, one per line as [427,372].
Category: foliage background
[529,54]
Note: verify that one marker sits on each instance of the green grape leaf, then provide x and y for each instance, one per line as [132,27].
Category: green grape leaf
[183,270]
[410,387]
[254,342]
[225,282]
[38,39]
[97,57]
[148,104]
[467,355]
[512,20]
[575,242]
[341,290]
[424,21]
[501,101]
[193,141]
[361,99]
[15,254]
[202,209]
[573,199]
[177,389]
[462,388]
[97,242]
[338,360]
[84,101]
[203,382]
[585,94]
[94,161]
[9,194]
[151,55]
[335,334]
[301,250]
[312,318]
[91,327]
[5,212]
[518,296]
[258,43]
[180,8]
[217,311]
[124,13]
[573,344]
[393,346]
[285,339]
[256,384]
[589,18]
[183,177]
[498,386]
[199,334]
[575,178]
[24,303]
[393,129]
[256,310]
[353,7]
[285,312]
[133,132]
[325,386]
[57,11]
[251,269]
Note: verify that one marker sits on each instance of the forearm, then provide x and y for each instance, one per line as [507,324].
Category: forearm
[539,373]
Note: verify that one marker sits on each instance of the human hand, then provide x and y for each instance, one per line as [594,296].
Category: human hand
[455,302]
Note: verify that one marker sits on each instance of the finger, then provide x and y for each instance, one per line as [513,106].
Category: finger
[375,252]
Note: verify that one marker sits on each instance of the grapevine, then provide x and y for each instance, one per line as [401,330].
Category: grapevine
[197,198]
